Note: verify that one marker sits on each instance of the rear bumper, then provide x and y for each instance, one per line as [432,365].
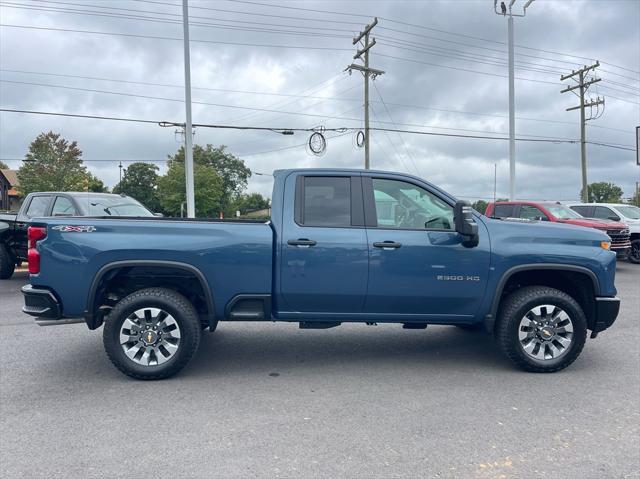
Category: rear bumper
[40,303]
[606,313]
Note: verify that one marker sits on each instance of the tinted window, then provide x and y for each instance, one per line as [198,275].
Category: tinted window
[63,207]
[605,213]
[111,205]
[38,206]
[327,201]
[403,205]
[531,213]
[583,210]
[503,211]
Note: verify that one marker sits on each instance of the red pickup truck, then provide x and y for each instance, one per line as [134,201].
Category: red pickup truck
[558,213]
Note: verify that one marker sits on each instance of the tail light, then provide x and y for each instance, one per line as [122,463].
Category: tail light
[34,234]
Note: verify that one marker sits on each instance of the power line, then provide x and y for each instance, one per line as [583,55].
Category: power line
[155,37]
[256,109]
[169,21]
[301,95]
[582,58]
[340,130]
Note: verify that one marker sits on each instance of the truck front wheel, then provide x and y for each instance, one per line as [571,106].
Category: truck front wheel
[7,263]
[541,329]
[152,333]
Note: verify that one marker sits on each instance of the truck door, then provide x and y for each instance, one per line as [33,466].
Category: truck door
[324,256]
[418,268]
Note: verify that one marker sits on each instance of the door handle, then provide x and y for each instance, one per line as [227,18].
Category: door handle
[387,245]
[304,242]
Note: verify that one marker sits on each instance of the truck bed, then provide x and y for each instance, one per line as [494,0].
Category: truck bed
[235,257]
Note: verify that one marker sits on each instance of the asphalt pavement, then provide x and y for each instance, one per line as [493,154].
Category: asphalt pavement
[270,400]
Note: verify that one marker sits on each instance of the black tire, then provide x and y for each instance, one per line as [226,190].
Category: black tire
[634,254]
[167,300]
[514,308]
[7,263]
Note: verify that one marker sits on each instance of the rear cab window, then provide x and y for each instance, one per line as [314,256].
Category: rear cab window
[504,211]
[583,210]
[329,201]
[38,206]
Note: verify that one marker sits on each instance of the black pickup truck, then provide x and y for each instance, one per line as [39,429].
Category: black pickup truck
[13,227]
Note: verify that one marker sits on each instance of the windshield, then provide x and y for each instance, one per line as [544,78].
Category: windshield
[112,206]
[631,212]
[562,212]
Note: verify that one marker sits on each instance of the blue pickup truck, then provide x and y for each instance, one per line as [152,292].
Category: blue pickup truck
[341,246]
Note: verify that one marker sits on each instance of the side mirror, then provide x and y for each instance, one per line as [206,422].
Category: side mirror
[614,218]
[159,215]
[465,224]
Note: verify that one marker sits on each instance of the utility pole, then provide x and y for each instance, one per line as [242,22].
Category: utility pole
[120,166]
[582,87]
[366,72]
[188,129]
[504,11]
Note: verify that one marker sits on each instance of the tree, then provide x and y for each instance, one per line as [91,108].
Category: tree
[95,184]
[140,181]
[247,202]
[207,186]
[52,164]
[3,166]
[231,170]
[480,206]
[604,192]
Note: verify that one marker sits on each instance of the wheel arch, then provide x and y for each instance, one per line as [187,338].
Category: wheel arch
[553,275]
[94,317]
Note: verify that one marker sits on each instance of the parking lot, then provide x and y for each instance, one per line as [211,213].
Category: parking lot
[270,400]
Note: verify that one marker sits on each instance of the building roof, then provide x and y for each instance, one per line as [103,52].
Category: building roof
[12,178]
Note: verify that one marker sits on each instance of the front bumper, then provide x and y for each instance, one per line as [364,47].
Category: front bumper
[40,303]
[606,313]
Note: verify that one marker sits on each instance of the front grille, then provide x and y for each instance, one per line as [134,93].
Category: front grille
[619,238]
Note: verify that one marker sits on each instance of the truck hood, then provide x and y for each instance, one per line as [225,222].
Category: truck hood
[595,223]
[546,232]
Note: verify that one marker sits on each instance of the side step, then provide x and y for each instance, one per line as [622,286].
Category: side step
[414,326]
[319,324]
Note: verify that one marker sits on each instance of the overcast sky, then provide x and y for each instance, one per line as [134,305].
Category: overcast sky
[445,65]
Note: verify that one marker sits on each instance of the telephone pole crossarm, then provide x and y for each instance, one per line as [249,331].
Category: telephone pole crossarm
[582,70]
[366,30]
[585,84]
[588,104]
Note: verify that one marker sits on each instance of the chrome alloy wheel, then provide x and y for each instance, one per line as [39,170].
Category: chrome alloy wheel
[150,336]
[545,332]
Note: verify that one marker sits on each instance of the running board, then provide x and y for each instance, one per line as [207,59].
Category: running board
[55,322]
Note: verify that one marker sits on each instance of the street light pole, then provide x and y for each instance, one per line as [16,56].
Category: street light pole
[512,107]
[188,129]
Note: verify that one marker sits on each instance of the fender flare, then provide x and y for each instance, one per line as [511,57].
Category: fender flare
[490,319]
[94,321]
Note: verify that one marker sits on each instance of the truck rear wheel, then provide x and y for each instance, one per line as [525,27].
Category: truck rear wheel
[7,263]
[152,333]
[541,329]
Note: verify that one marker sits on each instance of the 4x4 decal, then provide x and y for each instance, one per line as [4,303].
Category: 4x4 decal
[74,229]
